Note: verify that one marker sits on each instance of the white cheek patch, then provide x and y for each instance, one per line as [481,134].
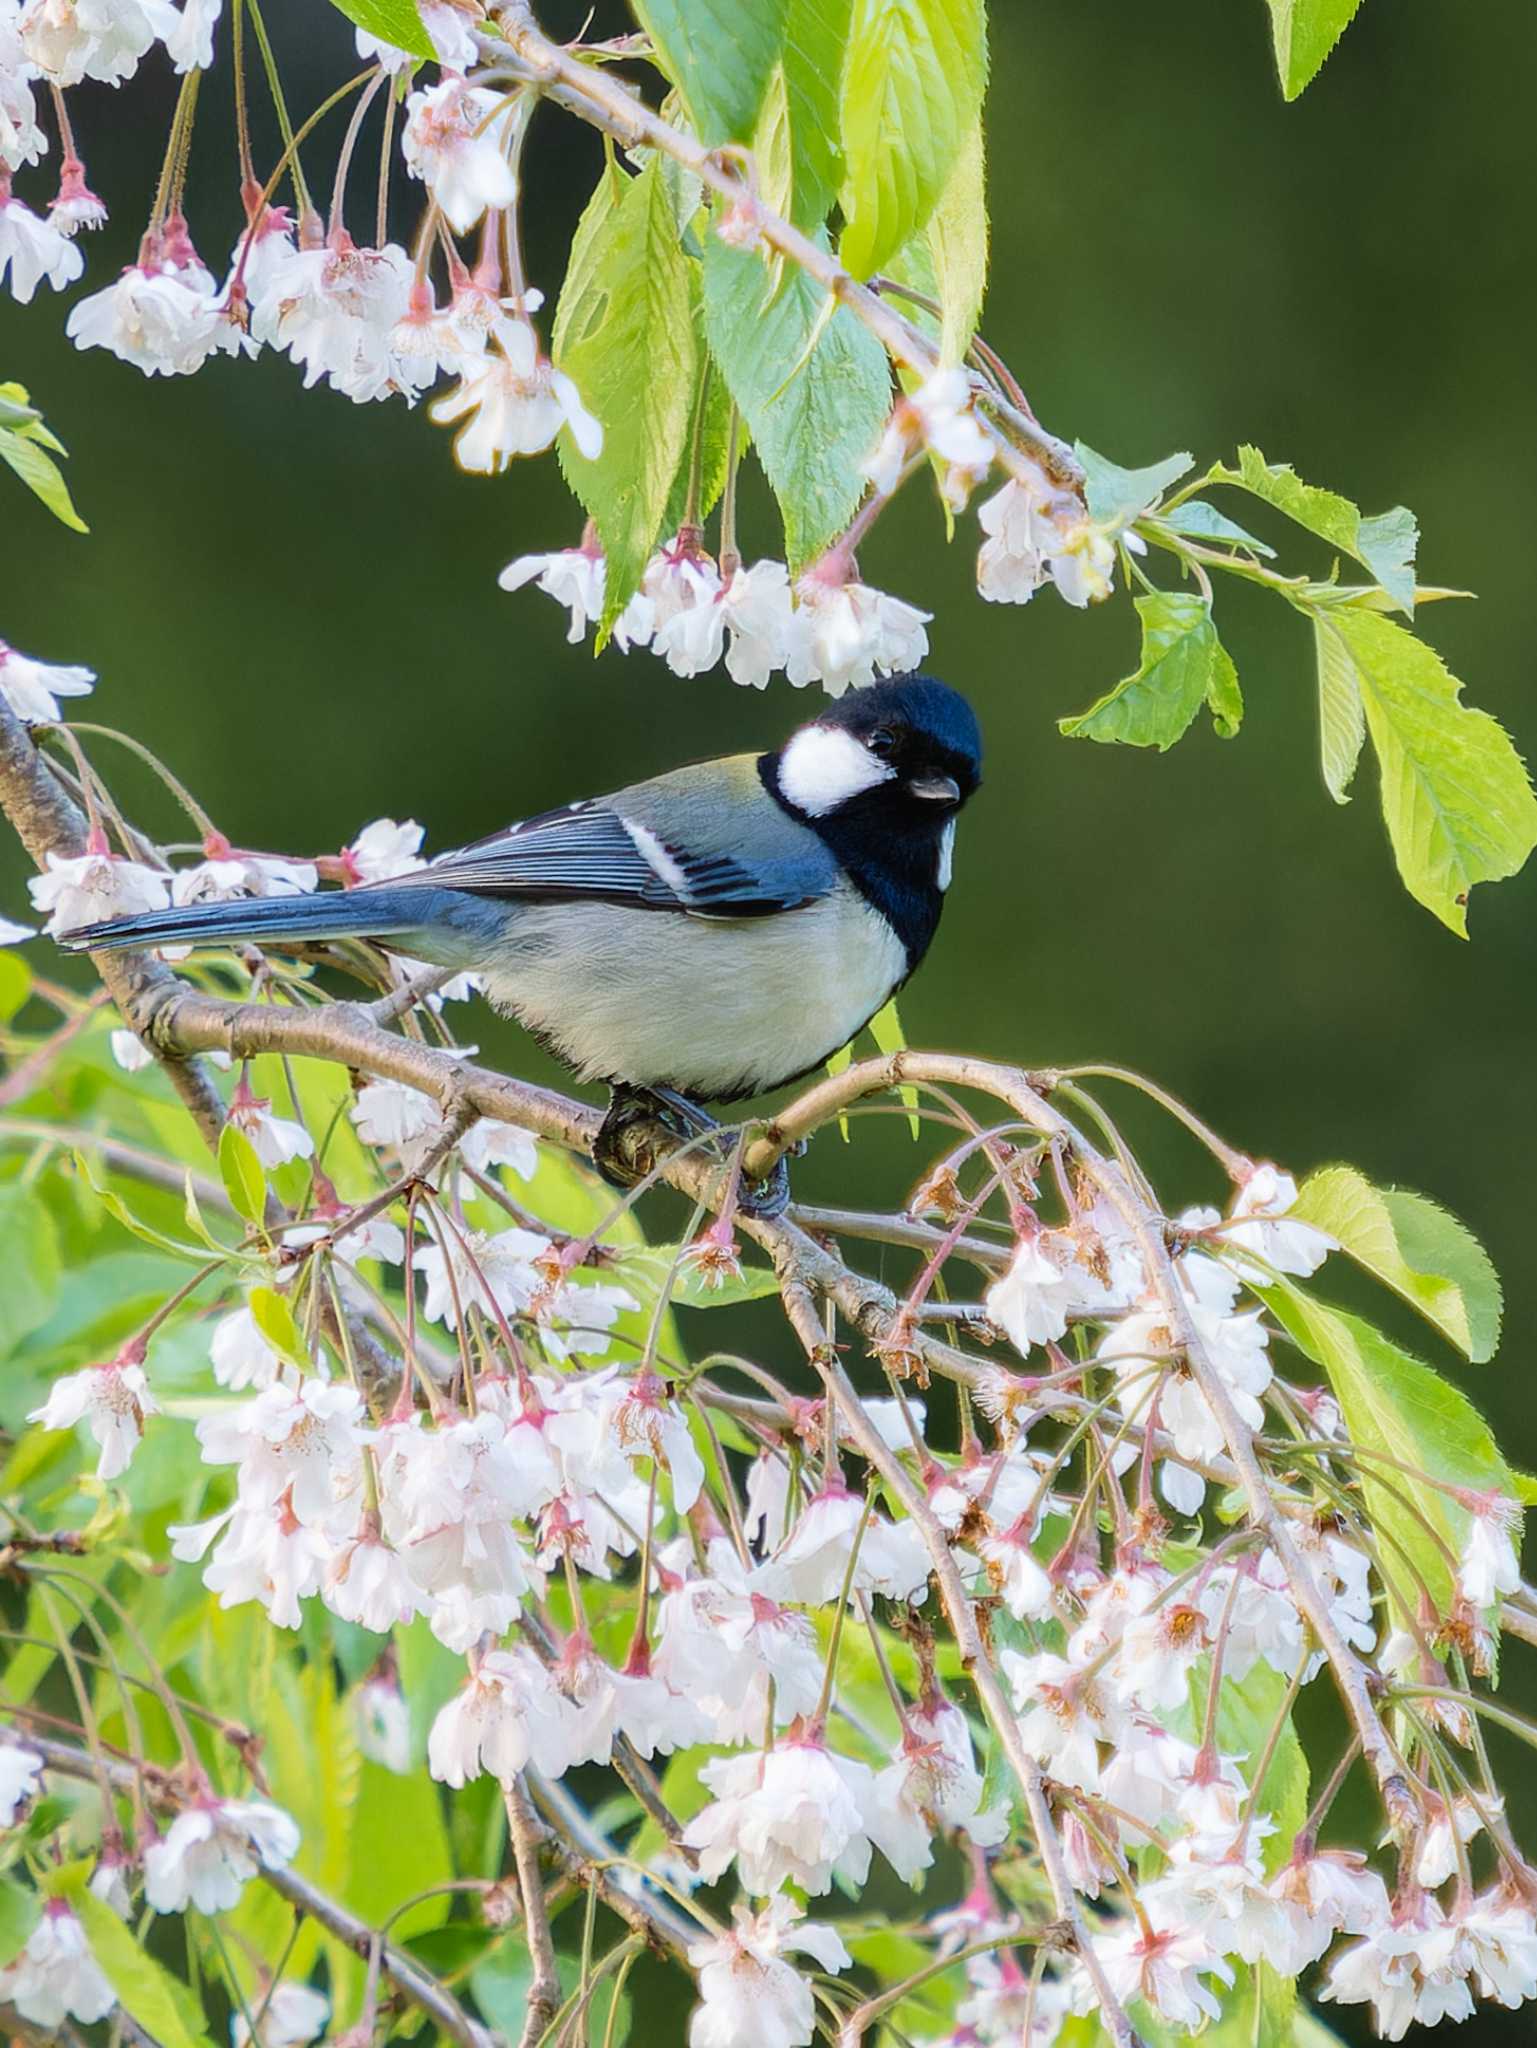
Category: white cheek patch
[823,766]
[946,855]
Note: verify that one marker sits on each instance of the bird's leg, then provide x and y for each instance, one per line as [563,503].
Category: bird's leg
[622,1157]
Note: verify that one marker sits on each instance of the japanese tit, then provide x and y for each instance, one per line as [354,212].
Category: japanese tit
[699,937]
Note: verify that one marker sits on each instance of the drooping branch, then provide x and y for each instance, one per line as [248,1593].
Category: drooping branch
[410,1980]
[606,102]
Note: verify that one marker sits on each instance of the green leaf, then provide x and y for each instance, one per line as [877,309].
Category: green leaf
[1341,714]
[1404,1240]
[709,422]
[161,2003]
[913,82]
[816,34]
[1116,496]
[501,1982]
[885,1027]
[31,1288]
[1384,544]
[719,54]
[1401,1409]
[958,241]
[1310,2032]
[20,448]
[813,389]
[1201,521]
[1524,1485]
[1456,797]
[623,331]
[392,21]
[20,1911]
[1304,32]
[275,1320]
[1183,664]
[241,1171]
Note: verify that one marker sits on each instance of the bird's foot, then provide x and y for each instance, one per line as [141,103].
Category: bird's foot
[624,1153]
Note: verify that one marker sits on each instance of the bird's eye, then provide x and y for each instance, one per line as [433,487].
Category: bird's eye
[882,741]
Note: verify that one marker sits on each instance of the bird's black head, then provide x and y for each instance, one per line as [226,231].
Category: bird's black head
[879,778]
[899,756]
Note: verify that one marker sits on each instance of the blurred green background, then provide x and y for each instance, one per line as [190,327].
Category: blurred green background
[294,599]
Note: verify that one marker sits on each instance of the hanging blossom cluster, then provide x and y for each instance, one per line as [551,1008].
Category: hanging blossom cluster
[450,306]
[428,1405]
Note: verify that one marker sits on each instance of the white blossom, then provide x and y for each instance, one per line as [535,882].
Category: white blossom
[103,39]
[333,310]
[240,1354]
[574,577]
[1489,1565]
[843,635]
[1164,1966]
[383,1722]
[189,43]
[212,1849]
[513,402]
[455,140]
[796,1811]
[113,1399]
[933,1784]
[298,1445]
[163,319]
[747,1990]
[509,1714]
[294,2015]
[20,1770]
[33,688]
[32,249]
[16,934]
[86,888]
[385,849]
[56,1977]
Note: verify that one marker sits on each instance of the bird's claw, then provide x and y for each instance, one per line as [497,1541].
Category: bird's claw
[624,1154]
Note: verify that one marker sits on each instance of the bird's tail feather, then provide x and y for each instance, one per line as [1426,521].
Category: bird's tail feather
[373,913]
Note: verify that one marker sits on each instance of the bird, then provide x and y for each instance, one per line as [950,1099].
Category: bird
[702,936]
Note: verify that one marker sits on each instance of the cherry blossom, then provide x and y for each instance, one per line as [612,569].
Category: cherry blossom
[514,402]
[32,250]
[797,1811]
[212,1849]
[455,140]
[113,1399]
[20,1770]
[294,2015]
[55,1977]
[747,1990]
[86,888]
[162,318]
[845,634]
[574,577]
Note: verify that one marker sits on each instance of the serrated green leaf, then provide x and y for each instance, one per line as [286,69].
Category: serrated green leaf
[1384,543]
[1401,1409]
[623,331]
[1116,496]
[913,83]
[245,1182]
[1224,697]
[1414,1247]
[957,236]
[1304,32]
[1341,714]
[1455,794]
[32,1270]
[812,427]
[1183,665]
[719,54]
[20,1911]
[1524,1487]
[147,1991]
[709,422]
[25,450]
[815,37]
[1200,521]
[275,1320]
[392,21]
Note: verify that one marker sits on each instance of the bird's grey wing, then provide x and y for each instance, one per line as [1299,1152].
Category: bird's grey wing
[597,852]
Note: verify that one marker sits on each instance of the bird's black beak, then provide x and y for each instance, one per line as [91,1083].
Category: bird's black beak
[938,789]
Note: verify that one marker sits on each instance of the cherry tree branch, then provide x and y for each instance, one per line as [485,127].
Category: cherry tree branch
[606,102]
[410,1980]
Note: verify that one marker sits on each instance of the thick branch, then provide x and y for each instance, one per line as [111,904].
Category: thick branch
[544,1991]
[47,820]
